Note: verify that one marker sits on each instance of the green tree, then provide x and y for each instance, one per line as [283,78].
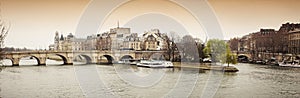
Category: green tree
[219,51]
[215,49]
[229,57]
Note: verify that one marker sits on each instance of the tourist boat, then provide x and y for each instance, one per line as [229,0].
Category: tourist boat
[155,64]
[290,61]
[290,64]
[128,61]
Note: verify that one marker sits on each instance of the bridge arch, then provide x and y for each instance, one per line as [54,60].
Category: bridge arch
[7,62]
[126,57]
[30,56]
[242,58]
[157,56]
[87,58]
[65,60]
[109,59]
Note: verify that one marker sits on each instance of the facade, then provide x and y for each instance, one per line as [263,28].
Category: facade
[62,43]
[294,42]
[284,36]
[68,43]
[269,41]
[90,42]
[103,42]
[265,39]
[115,39]
[150,43]
[117,36]
[132,42]
[154,40]
[78,44]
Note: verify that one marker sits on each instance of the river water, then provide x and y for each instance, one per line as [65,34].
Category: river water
[79,81]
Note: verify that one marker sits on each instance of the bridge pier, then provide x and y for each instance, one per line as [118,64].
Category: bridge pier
[42,61]
[68,61]
[15,62]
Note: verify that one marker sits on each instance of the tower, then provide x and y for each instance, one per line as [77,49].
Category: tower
[56,38]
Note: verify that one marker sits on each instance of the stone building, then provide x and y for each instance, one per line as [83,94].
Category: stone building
[103,41]
[117,36]
[113,39]
[270,41]
[79,44]
[294,41]
[63,43]
[154,40]
[284,35]
[68,43]
[265,40]
[132,42]
[90,42]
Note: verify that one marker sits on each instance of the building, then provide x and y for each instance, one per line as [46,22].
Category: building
[268,43]
[90,42]
[294,42]
[117,36]
[154,40]
[265,40]
[132,42]
[284,35]
[68,43]
[79,44]
[115,39]
[62,43]
[103,41]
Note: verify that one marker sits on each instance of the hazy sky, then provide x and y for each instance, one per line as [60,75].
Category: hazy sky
[33,22]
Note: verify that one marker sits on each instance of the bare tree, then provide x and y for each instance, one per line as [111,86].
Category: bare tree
[3,32]
[234,44]
[173,38]
[189,48]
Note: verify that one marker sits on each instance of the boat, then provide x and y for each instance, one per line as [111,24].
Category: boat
[134,62]
[155,64]
[290,64]
[124,61]
[128,61]
[291,61]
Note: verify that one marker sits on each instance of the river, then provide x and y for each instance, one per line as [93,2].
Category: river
[79,81]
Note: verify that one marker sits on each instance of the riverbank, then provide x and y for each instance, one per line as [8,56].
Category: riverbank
[205,66]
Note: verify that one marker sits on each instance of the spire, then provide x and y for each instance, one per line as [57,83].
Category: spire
[118,24]
[61,37]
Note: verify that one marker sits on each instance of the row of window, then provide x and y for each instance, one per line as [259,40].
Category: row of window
[295,43]
[295,36]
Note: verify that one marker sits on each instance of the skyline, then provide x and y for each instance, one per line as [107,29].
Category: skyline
[41,19]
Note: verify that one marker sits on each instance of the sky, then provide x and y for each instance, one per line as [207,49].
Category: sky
[34,22]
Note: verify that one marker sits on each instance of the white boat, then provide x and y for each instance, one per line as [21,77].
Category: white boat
[124,61]
[155,64]
[289,64]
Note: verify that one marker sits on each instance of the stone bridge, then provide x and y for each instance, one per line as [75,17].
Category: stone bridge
[93,56]
[242,54]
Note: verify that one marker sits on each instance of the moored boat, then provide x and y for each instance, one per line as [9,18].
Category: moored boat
[289,64]
[155,64]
